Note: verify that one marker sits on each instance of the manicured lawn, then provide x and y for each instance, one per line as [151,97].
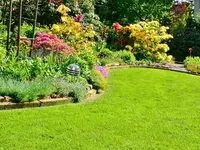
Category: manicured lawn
[142,109]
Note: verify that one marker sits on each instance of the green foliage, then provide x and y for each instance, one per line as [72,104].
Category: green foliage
[132,11]
[105,52]
[126,56]
[3,35]
[87,9]
[2,53]
[29,68]
[182,41]
[27,30]
[192,64]
[24,91]
[98,81]
[77,89]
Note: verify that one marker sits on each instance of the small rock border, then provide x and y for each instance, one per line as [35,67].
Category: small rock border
[44,102]
[153,66]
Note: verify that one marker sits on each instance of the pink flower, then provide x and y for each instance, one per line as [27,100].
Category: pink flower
[78,18]
[190,50]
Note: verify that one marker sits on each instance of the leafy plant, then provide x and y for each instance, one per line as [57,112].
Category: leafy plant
[25,91]
[98,80]
[126,56]
[192,64]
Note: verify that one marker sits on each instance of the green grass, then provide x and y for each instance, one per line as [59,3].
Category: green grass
[142,109]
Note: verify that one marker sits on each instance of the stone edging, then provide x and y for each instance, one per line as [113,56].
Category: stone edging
[43,102]
[162,67]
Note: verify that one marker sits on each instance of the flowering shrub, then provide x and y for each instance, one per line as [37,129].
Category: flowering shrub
[78,36]
[102,70]
[145,39]
[49,42]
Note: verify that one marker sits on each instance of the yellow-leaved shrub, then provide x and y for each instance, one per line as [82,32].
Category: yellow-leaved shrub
[149,40]
[79,37]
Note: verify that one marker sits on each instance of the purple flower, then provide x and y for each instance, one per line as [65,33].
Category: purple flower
[102,70]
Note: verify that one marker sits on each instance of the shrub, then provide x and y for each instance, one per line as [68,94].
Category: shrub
[26,91]
[98,81]
[29,68]
[102,70]
[46,43]
[2,52]
[126,56]
[79,37]
[147,40]
[192,64]
[77,90]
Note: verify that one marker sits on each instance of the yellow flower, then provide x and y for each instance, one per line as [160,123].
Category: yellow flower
[169,58]
[63,9]
[55,28]
[129,48]
[64,18]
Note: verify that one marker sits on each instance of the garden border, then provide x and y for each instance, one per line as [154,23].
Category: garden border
[45,102]
[153,66]
[91,95]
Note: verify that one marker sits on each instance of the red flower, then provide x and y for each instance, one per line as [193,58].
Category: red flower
[117,26]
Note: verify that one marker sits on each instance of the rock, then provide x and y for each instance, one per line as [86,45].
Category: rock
[2,99]
[8,99]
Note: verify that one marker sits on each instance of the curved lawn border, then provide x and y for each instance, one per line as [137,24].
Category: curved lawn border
[162,67]
[91,95]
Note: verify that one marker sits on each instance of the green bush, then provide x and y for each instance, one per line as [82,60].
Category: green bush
[105,52]
[77,89]
[99,82]
[126,56]
[132,11]
[29,68]
[192,64]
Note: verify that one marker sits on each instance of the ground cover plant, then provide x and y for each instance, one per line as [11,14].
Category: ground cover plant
[40,88]
[141,109]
